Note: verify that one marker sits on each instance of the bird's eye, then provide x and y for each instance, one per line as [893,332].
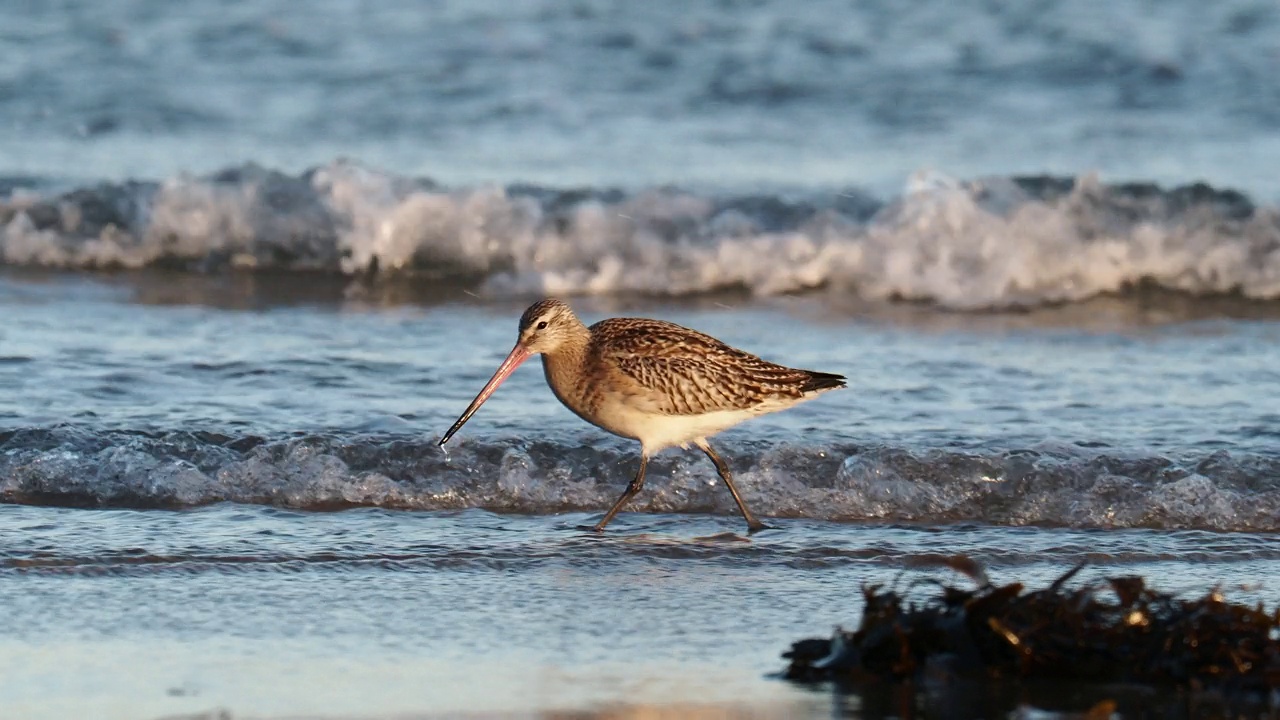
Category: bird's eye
[542,325]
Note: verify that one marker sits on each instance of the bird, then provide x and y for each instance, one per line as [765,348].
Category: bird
[652,381]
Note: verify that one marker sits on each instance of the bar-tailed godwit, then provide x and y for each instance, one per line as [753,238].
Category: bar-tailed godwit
[652,381]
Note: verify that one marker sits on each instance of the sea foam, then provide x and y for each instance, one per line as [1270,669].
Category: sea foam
[987,243]
[1049,484]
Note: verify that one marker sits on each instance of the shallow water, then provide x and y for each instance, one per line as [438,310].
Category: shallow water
[376,612]
[269,496]
[326,404]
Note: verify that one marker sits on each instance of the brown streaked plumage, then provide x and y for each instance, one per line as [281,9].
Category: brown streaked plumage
[652,381]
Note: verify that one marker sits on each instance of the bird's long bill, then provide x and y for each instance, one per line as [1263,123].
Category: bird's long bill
[518,355]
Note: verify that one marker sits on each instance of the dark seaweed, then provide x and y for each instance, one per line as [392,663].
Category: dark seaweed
[1118,631]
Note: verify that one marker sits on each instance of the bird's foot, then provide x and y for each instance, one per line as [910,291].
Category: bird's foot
[756,526]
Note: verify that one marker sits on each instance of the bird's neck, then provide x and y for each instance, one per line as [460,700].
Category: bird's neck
[565,369]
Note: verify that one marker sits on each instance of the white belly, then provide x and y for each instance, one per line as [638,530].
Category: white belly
[656,432]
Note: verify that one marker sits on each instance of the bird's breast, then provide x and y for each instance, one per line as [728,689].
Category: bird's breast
[593,395]
[571,384]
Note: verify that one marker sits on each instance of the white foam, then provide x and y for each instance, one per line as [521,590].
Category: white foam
[1063,486]
[964,245]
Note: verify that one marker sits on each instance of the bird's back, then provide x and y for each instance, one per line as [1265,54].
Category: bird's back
[679,371]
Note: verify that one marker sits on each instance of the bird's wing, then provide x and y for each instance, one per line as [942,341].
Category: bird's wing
[678,371]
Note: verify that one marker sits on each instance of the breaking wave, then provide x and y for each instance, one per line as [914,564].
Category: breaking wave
[981,244]
[1065,485]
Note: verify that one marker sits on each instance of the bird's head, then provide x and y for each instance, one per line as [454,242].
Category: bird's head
[546,326]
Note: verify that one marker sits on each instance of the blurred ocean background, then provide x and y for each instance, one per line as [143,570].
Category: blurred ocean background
[255,257]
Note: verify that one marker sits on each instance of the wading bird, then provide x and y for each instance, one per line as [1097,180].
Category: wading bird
[652,381]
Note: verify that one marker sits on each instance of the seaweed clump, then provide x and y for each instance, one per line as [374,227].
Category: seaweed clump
[1129,635]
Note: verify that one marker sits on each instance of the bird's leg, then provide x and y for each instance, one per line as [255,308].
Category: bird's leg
[753,525]
[632,488]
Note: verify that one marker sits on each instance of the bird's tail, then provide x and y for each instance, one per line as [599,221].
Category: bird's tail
[822,381]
